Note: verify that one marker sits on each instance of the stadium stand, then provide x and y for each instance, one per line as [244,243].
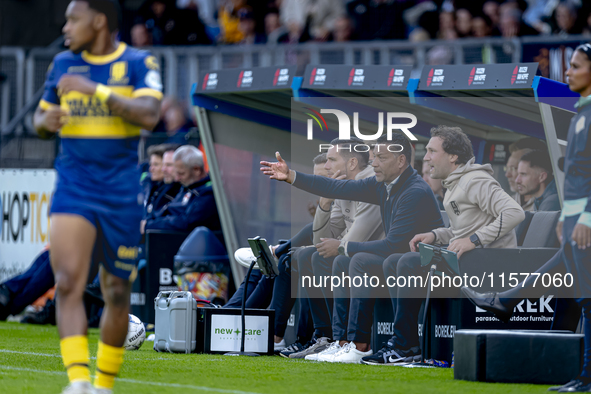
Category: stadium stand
[242,36]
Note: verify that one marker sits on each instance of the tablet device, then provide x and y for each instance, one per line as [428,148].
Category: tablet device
[262,253]
[445,259]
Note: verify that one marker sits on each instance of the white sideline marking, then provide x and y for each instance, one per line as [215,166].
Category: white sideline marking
[35,354]
[177,385]
[29,353]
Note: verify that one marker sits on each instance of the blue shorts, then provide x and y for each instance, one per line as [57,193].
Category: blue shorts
[118,229]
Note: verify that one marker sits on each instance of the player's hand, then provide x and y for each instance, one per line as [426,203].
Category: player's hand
[326,202]
[582,236]
[461,246]
[143,226]
[329,247]
[559,231]
[278,170]
[55,118]
[75,83]
[426,238]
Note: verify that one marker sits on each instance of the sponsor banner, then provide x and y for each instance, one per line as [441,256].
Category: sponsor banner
[357,77]
[553,58]
[478,77]
[249,79]
[226,333]
[25,199]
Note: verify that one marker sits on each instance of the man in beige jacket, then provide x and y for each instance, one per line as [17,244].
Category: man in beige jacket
[335,223]
[481,214]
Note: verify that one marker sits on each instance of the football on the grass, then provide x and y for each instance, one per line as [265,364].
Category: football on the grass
[136,334]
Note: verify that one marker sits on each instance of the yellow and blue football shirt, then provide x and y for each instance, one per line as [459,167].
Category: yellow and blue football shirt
[97,167]
[99,150]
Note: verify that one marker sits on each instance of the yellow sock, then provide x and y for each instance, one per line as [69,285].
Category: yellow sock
[75,355]
[108,362]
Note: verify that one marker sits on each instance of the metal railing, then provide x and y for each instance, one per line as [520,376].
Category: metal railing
[26,71]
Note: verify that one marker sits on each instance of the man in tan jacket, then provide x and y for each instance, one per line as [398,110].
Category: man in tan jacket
[481,214]
[336,222]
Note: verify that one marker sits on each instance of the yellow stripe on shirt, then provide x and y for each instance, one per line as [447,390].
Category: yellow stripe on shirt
[147,92]
[91,118]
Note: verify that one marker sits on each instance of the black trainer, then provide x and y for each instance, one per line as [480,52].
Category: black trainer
[293,348]
[5,297]
[578,385]
[569,384]
[389,355]
[44,316]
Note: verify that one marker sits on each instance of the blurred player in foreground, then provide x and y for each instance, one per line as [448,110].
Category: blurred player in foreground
[97,96]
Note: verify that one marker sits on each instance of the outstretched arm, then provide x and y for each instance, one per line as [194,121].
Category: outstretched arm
[364,190]
[278,170]
[142,111]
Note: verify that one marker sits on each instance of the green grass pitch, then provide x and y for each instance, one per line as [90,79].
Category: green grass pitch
[30,363]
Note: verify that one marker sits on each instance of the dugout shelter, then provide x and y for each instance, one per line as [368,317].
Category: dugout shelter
[244,117]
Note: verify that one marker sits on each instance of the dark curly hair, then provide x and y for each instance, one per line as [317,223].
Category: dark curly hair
[454,142]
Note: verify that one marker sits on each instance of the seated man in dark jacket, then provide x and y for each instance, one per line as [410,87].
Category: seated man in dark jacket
[194,205]
[166,189]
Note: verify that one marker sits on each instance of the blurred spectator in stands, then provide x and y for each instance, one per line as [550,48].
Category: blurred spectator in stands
[171,26]
[565,17]
[317,18]
[440,54]
[273,27]
[435,185]
[463,23]
[205,8]
[481,26]
[428,27]
[194,205]
[510,22]
[491,9]
[247,27]
[535,179]
[140,36]
[517,150]
[377,19]
[229,21]
[447,26]
[343,30]
[538,13]
[176,122]
[587,23]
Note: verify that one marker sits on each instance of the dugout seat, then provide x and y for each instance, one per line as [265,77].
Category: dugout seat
[539,244]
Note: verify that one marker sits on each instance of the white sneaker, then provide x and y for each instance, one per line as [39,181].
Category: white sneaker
[279,346]
[78,388]
[245,257]
[350,355]
[326,355]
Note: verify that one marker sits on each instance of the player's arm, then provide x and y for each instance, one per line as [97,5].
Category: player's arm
[143,111]
[49,118]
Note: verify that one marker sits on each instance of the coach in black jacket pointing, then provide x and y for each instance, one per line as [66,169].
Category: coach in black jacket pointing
[407,205]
